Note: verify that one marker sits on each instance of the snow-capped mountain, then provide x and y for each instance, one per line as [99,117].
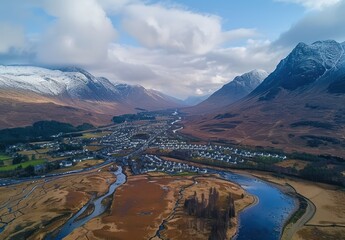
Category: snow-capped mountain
[308,67]
[74,88]
[231,92]
[239,87]
[47,82]
[298,107]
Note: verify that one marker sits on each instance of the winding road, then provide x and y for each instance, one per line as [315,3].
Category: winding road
[292,229]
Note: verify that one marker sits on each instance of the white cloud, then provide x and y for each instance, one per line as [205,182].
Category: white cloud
[177,30]
[241,33]
[181,74]
[198,91]
[313,4]
[80,34]
[12,36]
[320,25]
[180,52]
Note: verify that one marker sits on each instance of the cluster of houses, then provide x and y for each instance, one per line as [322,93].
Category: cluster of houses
[215,152]
[51,145]
[122,138]
[70,153]
[70,163]
[119,140]
[219,156]
[151,163]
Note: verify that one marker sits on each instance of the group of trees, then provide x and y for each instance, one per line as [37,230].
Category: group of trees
[133,117]
[320,172]
[42,130]
[19,158]
[210,209]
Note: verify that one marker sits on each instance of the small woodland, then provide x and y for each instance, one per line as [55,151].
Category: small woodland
[210,209]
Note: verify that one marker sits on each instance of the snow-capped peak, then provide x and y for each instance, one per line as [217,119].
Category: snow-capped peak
[69,82]
[74,83]
[250,79]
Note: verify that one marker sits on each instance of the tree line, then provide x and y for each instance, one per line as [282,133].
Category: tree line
[42,130]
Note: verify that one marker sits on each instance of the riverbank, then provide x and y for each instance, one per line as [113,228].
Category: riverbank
[233,235]
[283,213]
[141,205]
[137,209]
[32,209]
[182,226]
[324,214]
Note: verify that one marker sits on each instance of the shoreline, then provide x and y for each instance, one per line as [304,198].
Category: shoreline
[290,228]
[253,204]
[286,189]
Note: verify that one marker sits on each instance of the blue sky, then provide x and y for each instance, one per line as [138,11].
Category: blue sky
[180,47]
[259,14]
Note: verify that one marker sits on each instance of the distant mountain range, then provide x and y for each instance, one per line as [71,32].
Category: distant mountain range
[29,94]
[231,92]
[298,107]
[194,100]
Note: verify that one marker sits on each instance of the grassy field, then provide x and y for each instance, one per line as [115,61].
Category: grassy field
[44,150]
[292,163]
[24,165]
[94,148]
[80,165]
[4,157]
[95,134]
[29,153]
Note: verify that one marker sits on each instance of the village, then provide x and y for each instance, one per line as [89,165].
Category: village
[152,163]
[127,143]
[215,152]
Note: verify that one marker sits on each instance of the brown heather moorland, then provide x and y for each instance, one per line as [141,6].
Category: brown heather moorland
[34,209]
[143,202]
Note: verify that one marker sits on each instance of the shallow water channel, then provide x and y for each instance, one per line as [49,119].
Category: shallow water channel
[264,220]
[99,208]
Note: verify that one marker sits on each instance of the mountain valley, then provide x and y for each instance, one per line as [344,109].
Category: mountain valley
[298,107]
[72,95]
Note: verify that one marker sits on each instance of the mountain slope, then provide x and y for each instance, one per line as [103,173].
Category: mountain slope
[30,94]
[231,92]
[298,107]
[195,100]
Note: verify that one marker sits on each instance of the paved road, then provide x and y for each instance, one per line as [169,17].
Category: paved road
[49,177]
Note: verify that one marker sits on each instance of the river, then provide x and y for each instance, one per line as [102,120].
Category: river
[99,208]
[264,220]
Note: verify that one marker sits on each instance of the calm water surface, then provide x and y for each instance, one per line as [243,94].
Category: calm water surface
[266,219]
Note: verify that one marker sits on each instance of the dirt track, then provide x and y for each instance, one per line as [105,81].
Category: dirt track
[291,229]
